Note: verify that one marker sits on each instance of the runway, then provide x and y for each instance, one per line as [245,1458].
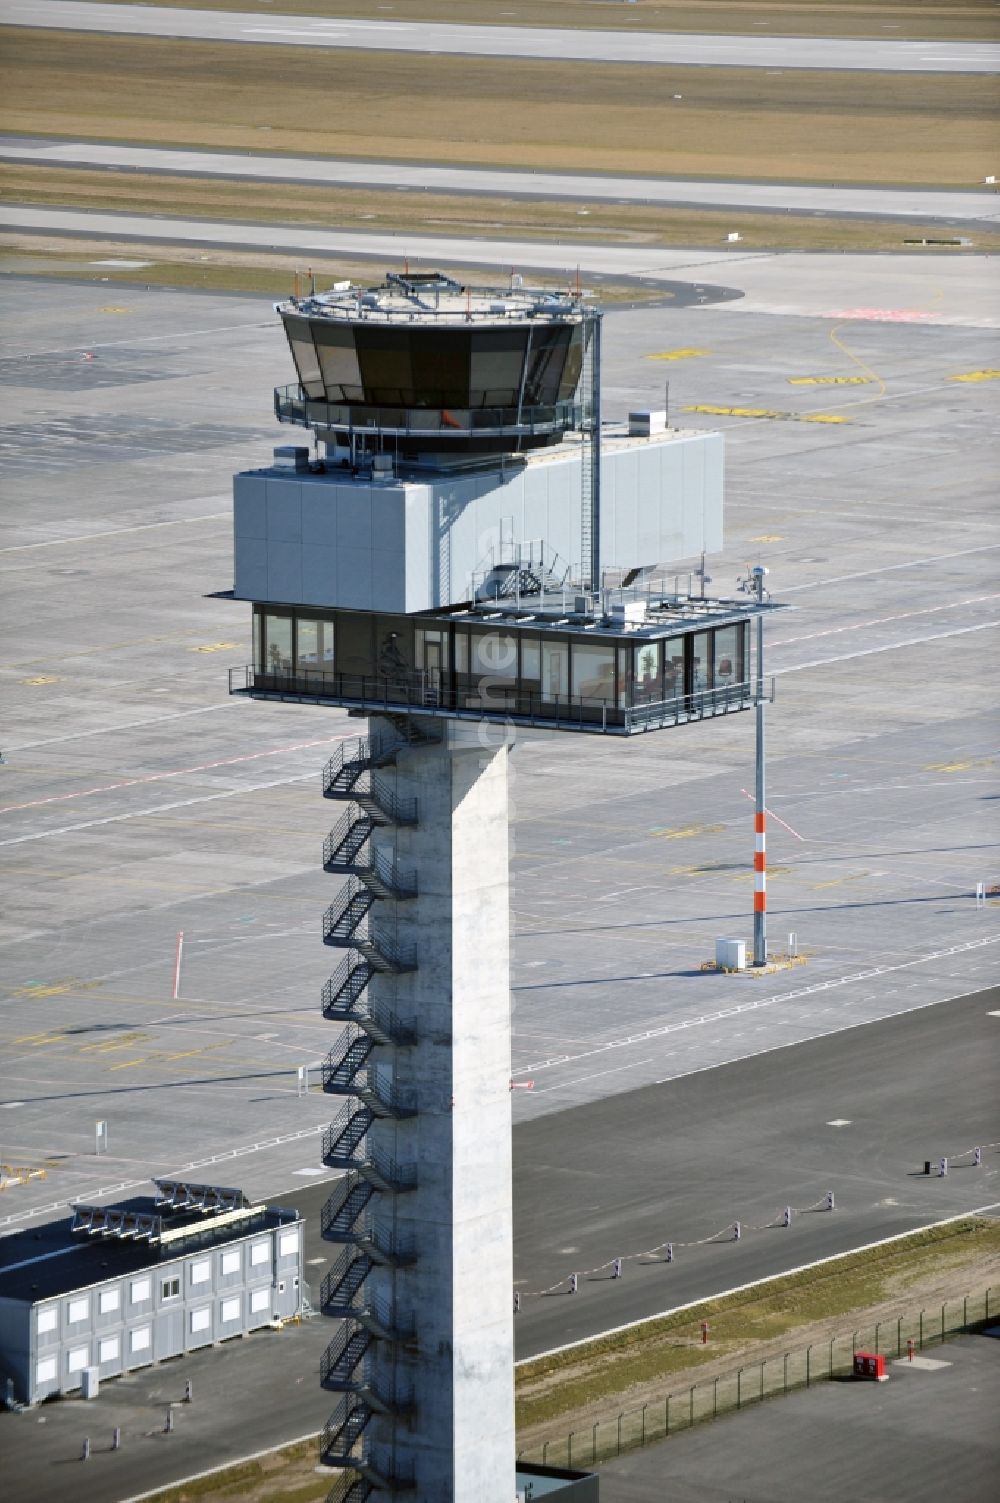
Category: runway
[857,1114]
[511,41]
[953,208]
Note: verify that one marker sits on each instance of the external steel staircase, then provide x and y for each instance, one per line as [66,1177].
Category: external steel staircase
[360,1363]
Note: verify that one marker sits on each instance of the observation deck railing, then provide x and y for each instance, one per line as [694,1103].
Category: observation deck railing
[417,694]
[441,420]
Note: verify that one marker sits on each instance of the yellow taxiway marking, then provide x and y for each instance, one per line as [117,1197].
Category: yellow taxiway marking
[767,537]
[959,766]
[829,380]
[767,412]
[684,832]
[677,354]
[215,647]
[108,1046]
[837,881]
[41,678]
[37,1040]
[54,988]
[976,376]
[111,308]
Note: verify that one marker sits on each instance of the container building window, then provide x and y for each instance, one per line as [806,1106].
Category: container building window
[108,1349]
[170,1288]
[260,1299]
[108,1300]
[231,1261]
[260,1252]
[138,1339]
[555,671]
[701,661]
[79,1309]
[45,1370]
[288,1243]
[230,1310]
[77,1358]
[48,1320]
[140,1291]
[594,672]
[277,644]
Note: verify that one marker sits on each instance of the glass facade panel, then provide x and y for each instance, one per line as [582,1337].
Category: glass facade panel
[494,656]
[673,668]
[727,656]
[303,350]
[594,671]
[531,661]
[277,644]
[546,359]
[461,652]
[313,646]
[573,368]
[648,672]
[497,362]
[338,361]
[701,661]
[440,368]
[555,671]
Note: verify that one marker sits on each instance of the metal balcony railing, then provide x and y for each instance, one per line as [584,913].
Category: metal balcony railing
[343,1430]
[350,1488]
[346,925]
[441,421]
[348,1057]
[343,1211]
[349,849]
[421,694]
[345,999]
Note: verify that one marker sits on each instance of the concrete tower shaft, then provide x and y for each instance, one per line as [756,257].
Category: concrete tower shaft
[424,1360]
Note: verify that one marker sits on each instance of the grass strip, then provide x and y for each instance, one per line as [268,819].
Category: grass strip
[79,260]
[973,20]
[832,127]
[285,1476]
[609,1369]
[481,215]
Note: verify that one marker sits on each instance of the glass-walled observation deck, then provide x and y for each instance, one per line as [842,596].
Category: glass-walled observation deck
[643,666]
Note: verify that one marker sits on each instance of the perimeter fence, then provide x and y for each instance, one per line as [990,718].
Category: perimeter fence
[754,1381]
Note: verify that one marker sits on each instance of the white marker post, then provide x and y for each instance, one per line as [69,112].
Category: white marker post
[178,957]
[100,1137]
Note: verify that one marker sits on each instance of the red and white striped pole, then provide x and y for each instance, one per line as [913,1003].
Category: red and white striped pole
[760,852]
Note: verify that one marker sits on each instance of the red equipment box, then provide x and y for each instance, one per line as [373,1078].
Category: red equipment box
[869,1365]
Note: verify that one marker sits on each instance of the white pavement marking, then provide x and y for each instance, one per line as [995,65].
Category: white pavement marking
[185,803]
[880,202]
[756,1005]
[129,725]
[114,532]
[916,563]
[111,344]
[177,772]
[599,46]
[930,610]
[868,652]
[134,1184]
[840,1122]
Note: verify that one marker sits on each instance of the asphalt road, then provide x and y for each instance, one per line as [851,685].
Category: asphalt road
[514,41]
[857,1113]
[876,203]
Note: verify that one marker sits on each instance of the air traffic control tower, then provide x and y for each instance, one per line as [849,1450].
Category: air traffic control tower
[464,552]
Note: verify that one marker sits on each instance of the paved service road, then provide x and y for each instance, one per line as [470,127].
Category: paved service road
[879,203]
[514,41]
[857,1113]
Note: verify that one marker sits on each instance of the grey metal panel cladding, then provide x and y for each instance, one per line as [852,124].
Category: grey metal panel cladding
[284,571]
[168,1332]
[284,511]
[250,568]
[249,506]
